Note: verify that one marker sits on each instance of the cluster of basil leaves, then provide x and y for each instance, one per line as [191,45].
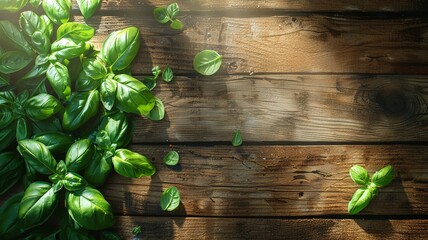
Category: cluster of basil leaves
[65,122]
[363,196]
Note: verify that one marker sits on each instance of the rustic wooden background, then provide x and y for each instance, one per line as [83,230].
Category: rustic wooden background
[314,86]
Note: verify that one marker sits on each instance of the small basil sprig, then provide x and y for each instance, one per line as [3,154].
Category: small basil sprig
[363,196]
[168,14]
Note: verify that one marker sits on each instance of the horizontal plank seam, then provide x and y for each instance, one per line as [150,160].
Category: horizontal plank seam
[359,74]
[280,143]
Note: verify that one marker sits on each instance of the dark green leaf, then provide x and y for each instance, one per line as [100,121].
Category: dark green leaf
[170,199]
[118,128]
[12,168]
[173,9]
[131,164]
[120,48]
[36,30]
[167,74]
[6,116]
[23,129]
[86,83]
[13,61]
[57,10]
[136,230]
[82,107]
[12,5]
[156,71]
[74,182]
[158,111]
[61,169]
[237,139]
[89,209]
[150,82]
[40,42]
[68,48]
[171,158]
[161,15]
[359,175]
[11,37]
[56,142]
[59,80]
[7,135]
[133,96]
[42,106]
[94,68]
[98,170]
[88,7]
[37,205]
[384,176]
[360,200]
[108,93]
[48,125]
[9,227]
[37,156]
[42,233]
[57,186]
[79,155]
[176,24]
[75,31]
[207,62]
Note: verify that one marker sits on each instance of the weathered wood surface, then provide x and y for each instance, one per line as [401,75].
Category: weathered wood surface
[263,228]
[275,5]
[312,108]
[279,44]
[273,181]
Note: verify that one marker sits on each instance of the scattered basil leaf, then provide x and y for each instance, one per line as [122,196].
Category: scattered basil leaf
[237,139]
[167,74]
[207,62]
[173,9]
[170,199]
[171,158]
[359,175]
[161,15]
[359,201]
[136,230]
[384,176]
[156,71]
[158,111]
[131,164]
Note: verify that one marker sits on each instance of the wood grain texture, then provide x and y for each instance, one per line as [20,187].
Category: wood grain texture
[273,181]
[313,108]
[279,44]
[277,5]
[262,228]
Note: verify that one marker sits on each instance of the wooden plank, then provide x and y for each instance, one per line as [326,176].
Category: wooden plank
[280,44]
[276,5]
[262,228]
[313,108]
[273,181]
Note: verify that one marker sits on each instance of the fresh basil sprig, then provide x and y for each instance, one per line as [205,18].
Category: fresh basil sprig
[168,14]
[363,196]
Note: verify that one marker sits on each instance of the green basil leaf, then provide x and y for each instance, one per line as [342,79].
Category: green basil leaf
[103,140]
[167,74]
[88,7]
[161,15]
[71,231]
[384,176]
[11,37]
[36,71]
[237,139]
[40,42]
[359,175]
[156,71]
[108,93]
[57,10]
[22,97]
[94,68]
[79,155]
[170,199]
[42,106]
[120,48]
[131,164]
[9,227]
[359,201]
[74,182]
[6,116]
[61,169]
[48,24]
[82,107]
[37,156]
[76,31]
[23,129]
[12,168]
[98,170]
[68,48]
[55,178]
[118,128]
[7,136]
[133,96]
[3,82]
[35,29]
[86,83]
[59,80]
[207,62]
[56,142]
[104,235]
[136,230]
[57,186]
[150,82]
[7,97]
[48,125]
[176,24]
[173,9]
[171,158]
[158,111]
[37,205]
[13,61]
[89,209]
[12,5]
